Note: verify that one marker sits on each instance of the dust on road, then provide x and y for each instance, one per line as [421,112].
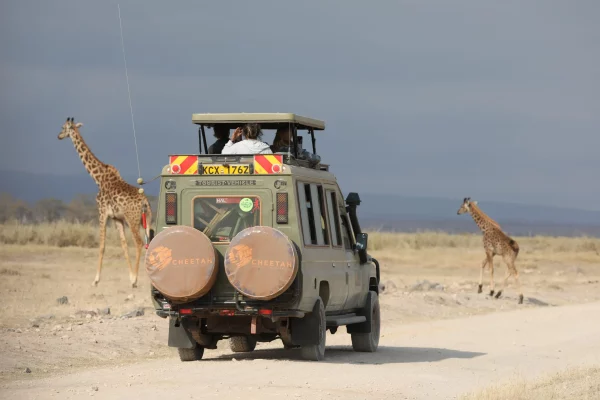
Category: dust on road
[438,359]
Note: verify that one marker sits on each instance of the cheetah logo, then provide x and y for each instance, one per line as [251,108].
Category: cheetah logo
[240,255]
[160,257]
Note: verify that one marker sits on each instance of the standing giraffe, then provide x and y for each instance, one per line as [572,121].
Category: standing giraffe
[495,242]
[116,199]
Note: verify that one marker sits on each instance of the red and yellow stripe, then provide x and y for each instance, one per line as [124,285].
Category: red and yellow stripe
[268,164]
[183,165]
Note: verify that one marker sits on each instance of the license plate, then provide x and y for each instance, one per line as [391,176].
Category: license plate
[224,169]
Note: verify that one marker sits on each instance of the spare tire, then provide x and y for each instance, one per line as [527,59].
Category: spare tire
[182,263]
[261,262]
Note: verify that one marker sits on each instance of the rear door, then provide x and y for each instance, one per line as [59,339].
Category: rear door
[221,213]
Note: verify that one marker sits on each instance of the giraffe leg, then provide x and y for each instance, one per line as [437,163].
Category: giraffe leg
[121,229]
[516,274]
[134,225]
[479,290]
[102,220]
[491,262]
[509,272]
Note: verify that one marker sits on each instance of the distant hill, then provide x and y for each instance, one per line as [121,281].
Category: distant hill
[377,211]
[411,214]
[33,187]
[427,209]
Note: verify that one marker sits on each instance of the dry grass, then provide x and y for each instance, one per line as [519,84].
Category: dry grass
[428,240]
[65,234]
[59,234]
[582,383]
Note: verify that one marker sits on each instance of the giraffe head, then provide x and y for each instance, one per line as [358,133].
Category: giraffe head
[68,128]
[466,206]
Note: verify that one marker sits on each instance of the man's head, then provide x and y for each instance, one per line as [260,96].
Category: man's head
[221,131]
[283,136]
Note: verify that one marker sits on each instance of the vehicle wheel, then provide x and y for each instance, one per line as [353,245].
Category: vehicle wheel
[240,344]
[194,354]
[316,352]
[368,342]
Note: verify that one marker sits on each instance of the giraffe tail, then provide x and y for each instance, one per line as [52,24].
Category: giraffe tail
[514,246]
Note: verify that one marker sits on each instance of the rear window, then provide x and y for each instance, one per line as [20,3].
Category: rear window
[221,218]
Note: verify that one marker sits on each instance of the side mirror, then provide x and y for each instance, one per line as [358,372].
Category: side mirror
[361,246]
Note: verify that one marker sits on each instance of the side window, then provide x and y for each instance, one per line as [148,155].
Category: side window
[306,213]
[323,216]
[313,214]
[346,233]
[334,219]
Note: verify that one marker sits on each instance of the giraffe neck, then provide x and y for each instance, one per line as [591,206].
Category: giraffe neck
[91,163]
[484,222]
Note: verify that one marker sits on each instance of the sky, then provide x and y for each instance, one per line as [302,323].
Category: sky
[489,100]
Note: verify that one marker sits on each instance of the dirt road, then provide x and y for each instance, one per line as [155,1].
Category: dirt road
[438,359]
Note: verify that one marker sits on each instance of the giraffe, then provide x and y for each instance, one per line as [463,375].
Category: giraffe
[116,199]
[495,242]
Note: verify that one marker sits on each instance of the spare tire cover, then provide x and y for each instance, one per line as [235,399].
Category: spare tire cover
[181,263]
[261,263]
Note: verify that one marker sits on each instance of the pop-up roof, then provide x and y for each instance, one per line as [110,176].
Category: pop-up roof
[266,120]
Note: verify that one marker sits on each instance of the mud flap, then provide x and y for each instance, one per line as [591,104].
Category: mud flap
[179,336]
[306,330]
[363,327]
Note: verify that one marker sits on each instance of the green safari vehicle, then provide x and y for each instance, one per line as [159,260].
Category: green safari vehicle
[258,247]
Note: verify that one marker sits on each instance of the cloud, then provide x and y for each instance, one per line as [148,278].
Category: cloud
[431,98]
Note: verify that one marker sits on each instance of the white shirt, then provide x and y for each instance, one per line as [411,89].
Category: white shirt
[247,146]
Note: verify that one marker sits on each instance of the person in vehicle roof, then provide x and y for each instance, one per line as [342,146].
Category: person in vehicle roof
[282,141]
[246,141]
[221,132]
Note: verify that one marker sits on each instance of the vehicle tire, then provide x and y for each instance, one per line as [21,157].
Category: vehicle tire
[194,354]
[316,352]
[241,344]
[368,342]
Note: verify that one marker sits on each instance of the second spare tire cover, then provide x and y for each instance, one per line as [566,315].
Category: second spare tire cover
[181,263]
[261,262]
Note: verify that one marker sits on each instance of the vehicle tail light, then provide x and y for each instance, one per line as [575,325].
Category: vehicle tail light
[282,208]
[171,208]
[265,312]
[186,311]
[228,313]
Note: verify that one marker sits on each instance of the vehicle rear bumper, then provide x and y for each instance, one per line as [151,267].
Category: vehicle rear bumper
[203,313]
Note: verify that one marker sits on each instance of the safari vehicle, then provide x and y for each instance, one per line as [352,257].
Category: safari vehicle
[254,248]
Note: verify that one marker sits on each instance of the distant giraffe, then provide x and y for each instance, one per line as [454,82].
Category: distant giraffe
[116,199]
[495,242]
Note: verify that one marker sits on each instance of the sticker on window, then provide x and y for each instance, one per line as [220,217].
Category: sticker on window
[246,204]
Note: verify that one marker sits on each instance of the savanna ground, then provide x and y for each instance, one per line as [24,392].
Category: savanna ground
[427,276]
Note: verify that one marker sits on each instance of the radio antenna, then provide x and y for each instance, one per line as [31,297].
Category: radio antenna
[140,180]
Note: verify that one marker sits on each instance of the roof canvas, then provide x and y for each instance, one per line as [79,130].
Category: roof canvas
[266,120]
